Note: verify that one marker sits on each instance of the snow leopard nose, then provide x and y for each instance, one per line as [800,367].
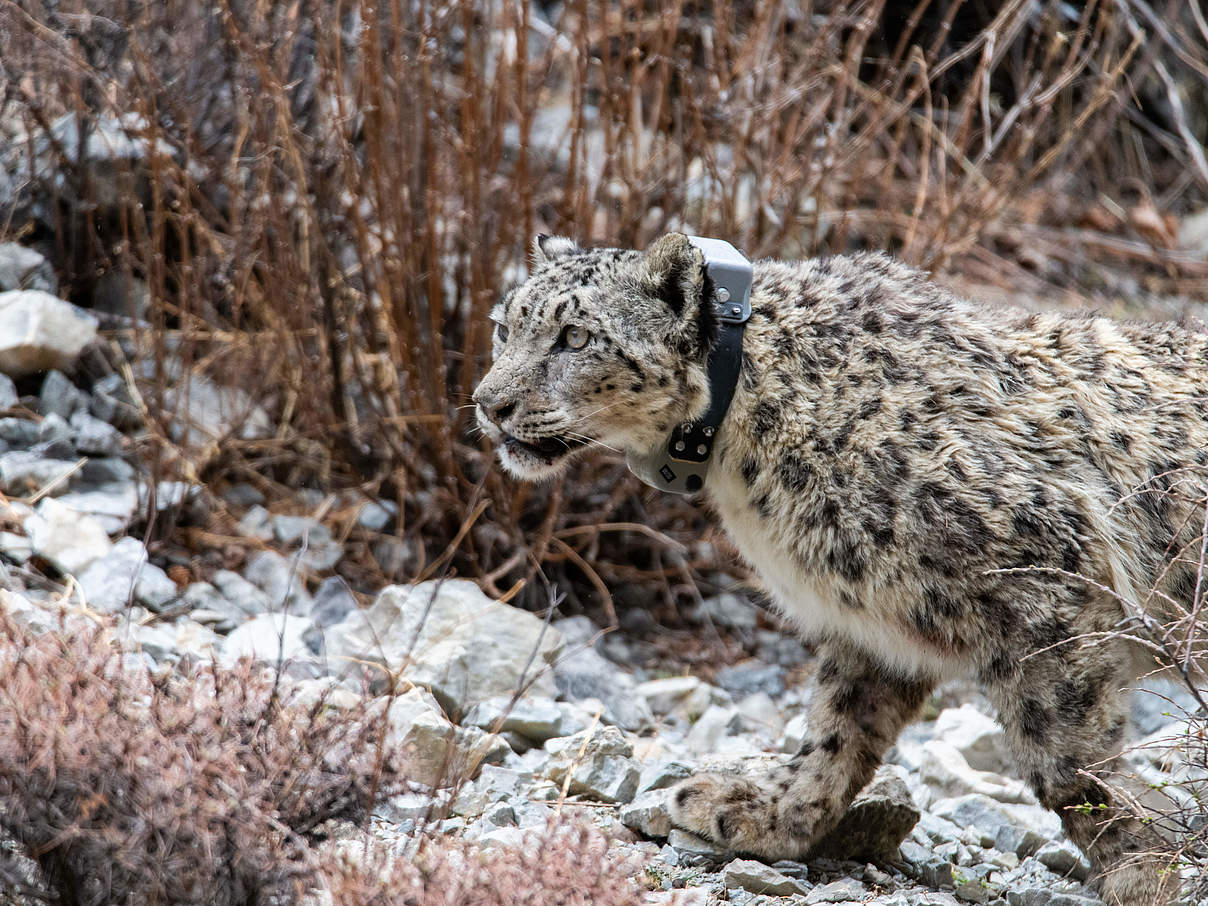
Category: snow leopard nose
[494,406]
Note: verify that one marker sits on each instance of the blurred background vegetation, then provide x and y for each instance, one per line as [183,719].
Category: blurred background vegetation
[333,193]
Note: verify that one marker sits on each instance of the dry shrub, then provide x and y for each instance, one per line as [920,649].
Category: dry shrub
[338,192]
[125,787]
[222,787]
[569,865]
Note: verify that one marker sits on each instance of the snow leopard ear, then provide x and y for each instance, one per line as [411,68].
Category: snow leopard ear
[674,271]
[551,248]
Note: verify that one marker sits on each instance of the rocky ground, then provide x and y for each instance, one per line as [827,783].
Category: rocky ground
[944,821]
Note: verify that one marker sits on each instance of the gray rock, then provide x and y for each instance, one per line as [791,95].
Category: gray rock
[375,515]
[19,432]
[842,891]
[1160,704]
[728,609]
[751,676]
[8,393]
[39,331]
[205,412]
[209,606]
[599,765]
[583,673]
[537,719]
[793,736]
[978,738]
[111,582]
[746,874]
[23,472]
[943,767]
[492,784]
[15,547]
[106,470]
[1063,859]
[93,436]
[1044,896]
[269,637]
[66,538]
[241,593]
[693,850]
[1022,841]
[113,403]
[716,723]
[59,396]
[665,772]
[281,580]
[878,819]
[973,809]
[648,815]
[112,505]
[424,745]
[451,637]
[333,602]
[172,642]
[54,432]
[24,268]
[317,549]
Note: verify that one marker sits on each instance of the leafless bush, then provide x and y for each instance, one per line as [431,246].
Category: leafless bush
[221,787]
[337,193]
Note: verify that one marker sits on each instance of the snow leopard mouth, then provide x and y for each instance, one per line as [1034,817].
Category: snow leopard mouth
[545,450]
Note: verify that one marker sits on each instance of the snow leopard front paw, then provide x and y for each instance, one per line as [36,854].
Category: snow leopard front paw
[742,816]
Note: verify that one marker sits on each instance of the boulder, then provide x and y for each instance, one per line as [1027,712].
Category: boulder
[449,636]
[39,332]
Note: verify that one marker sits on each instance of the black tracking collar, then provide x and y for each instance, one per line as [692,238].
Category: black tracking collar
[680,462]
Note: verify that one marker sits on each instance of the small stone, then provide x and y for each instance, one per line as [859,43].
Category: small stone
[8,393]
[172,642]
[241,593]
[1021,841]
[113,403]
[270,637]
[977,737]
[584,673]
[66,538]
[842,891]
[747,874]
[648,815]
[423,743]
[599,765]
[973,890]
[751,676]
[280,579]
[112,505]
[15,547]
[1064,860]
[689,845]
[537,719]
[793,737]
[663,695]
[661,774]
[878,819]
[727,609]
[24,268]
[124,575]
[24,472]
[93,436]
[312,540]
[59,396]
[943,767]
[333,602]
[39,332]
[717,722]
[375,515]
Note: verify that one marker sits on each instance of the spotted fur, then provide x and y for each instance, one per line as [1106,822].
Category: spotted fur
[929,488]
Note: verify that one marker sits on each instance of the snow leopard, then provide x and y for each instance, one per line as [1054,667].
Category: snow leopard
[928,487]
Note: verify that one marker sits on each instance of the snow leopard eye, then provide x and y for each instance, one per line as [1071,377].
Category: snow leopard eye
[575,337]
[501,331]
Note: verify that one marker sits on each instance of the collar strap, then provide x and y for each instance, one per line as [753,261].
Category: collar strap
[680,462]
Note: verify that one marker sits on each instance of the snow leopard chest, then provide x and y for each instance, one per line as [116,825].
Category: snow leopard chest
[809,601]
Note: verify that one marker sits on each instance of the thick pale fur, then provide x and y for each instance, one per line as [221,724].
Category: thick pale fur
[928,487]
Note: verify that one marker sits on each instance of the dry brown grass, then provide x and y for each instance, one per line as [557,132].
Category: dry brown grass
[339,192]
